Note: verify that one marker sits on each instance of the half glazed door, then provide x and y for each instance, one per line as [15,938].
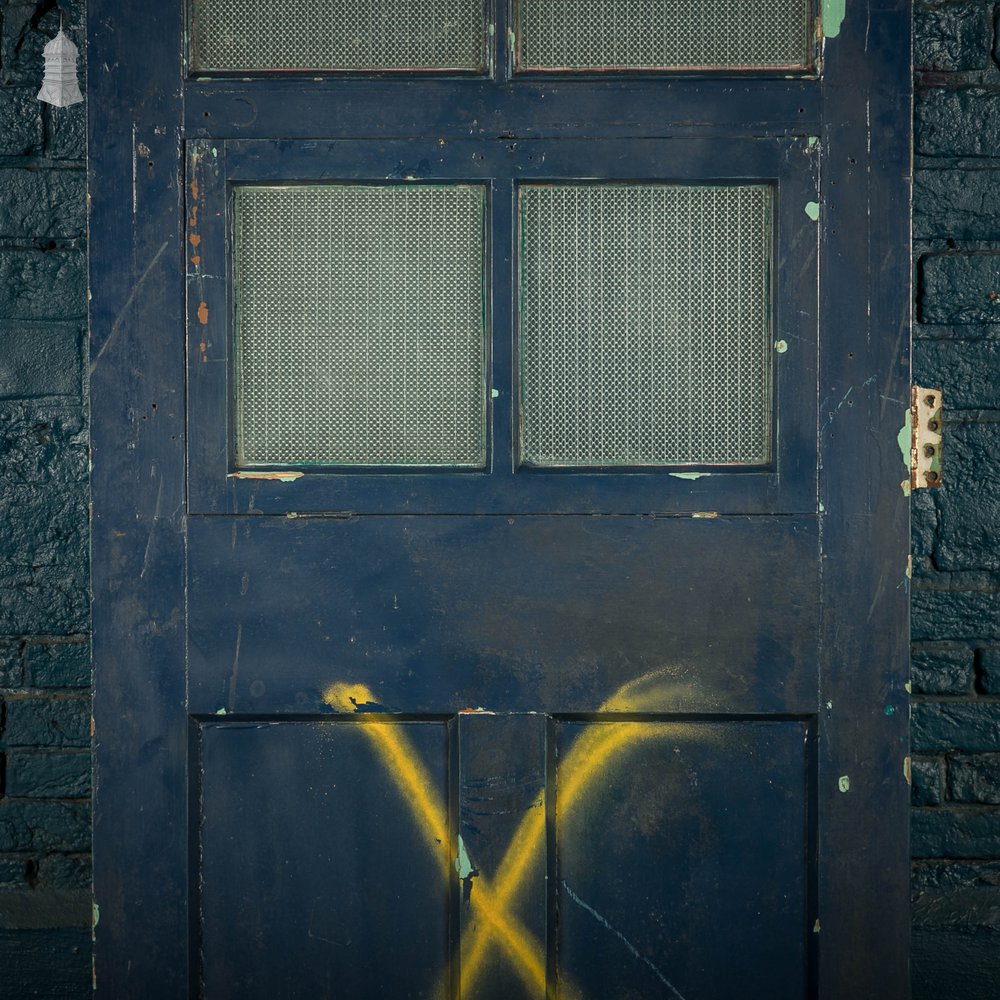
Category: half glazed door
[499,548]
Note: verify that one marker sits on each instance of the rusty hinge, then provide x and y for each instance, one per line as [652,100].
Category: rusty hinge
[925,441]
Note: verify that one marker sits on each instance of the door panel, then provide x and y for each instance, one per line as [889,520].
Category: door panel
[701,798]
[296,815]
[551,614]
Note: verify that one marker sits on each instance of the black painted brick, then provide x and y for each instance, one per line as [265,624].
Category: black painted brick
[21,127]
[926,782]
[43,579]
[45,722]
[21,46]
[13,872]
[937,875]
[45,965]
[964,370]
[37,284]
[938,615]
[66,132]
[65,871]
[942,670]
[954,963]
[48,775]
[951,36]
[57,665]
[43,443]
[966,832]
[973,727]
[956,204]
[974,779]
[968,503]
[960,288]
[41,359]
[11,665]
[989,669]
[44,826]
[42,203]
[957,122]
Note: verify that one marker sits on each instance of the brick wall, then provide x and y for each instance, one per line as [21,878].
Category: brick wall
[44,668]
[44,616]
[956,579]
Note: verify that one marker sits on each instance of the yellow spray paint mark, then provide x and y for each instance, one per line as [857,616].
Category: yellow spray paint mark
[586,761]
[403,764]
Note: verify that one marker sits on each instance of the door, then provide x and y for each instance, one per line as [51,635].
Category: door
[499,546]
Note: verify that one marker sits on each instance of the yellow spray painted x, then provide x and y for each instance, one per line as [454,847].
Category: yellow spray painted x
[588,757]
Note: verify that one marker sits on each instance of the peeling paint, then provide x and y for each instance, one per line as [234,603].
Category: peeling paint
[705,515]
[812,210]
[816,926]
[781,346]
[495,393]
[462,864]
[890,710]
[905,487]
[689,475]
[221,711]
[908,770]
[833,17]
[908,687]
[844,783]
[905,439]
[203,314]
[280,477]
[96,915]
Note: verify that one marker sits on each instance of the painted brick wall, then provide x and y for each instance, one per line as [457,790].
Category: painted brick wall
[44,613]
[956,580]
[44,669]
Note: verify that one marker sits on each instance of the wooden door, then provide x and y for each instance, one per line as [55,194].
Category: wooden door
[499,548]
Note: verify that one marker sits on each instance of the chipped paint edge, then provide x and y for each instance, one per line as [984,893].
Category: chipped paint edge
[280,477]
[832,15]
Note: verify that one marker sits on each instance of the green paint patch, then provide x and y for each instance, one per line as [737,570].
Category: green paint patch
[905,437]
[833,17]
[689,475]
[812,210]
[462,864]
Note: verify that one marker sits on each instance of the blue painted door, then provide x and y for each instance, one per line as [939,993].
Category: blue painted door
[499,548]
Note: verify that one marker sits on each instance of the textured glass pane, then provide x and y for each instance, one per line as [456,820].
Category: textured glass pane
[338,34]
[663,34]
[360,325]
[644,324]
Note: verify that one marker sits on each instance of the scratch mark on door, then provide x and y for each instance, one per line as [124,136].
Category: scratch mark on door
[621,937]
[123,312]
[234,676]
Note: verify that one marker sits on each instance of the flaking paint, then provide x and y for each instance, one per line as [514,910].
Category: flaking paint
[832,13]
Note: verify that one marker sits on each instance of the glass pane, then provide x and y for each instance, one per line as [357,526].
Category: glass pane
[275,35]
[360,331]
[663,34]
[644,324]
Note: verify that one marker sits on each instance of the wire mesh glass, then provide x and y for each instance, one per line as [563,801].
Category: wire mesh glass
[663,34]
[360,329]
[644,324]
[360,35]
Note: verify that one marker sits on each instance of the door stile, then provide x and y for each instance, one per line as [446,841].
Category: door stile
[864,395]
[138,548]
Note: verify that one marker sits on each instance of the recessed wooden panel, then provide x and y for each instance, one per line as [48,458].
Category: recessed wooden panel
[683,858]
[324,869]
